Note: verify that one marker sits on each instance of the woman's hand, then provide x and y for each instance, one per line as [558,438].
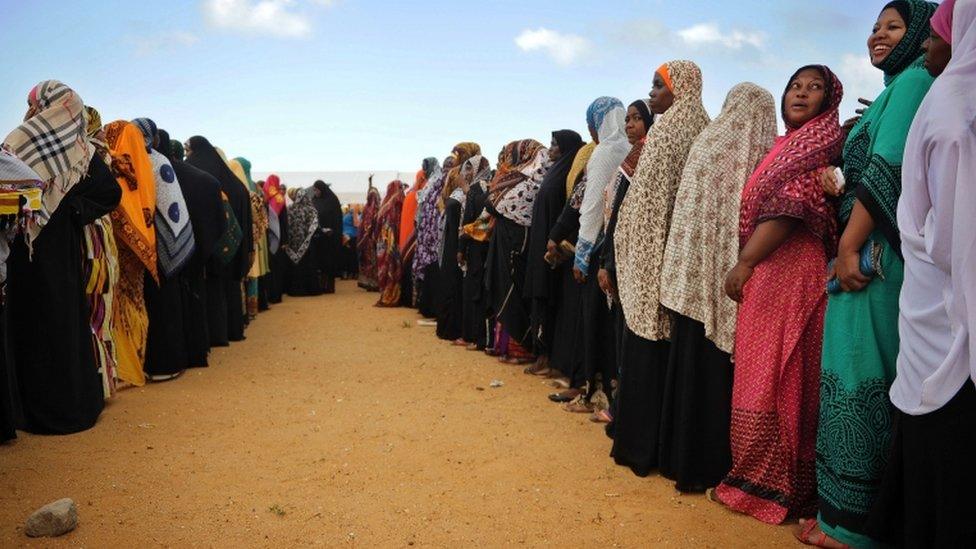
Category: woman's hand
[460,259]
[606,283]
[847,269]
[551,247]
[578,275]
[736,280]
[828,180]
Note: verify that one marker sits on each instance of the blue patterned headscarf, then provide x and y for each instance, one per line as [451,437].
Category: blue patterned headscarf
[148,129]
[599,109]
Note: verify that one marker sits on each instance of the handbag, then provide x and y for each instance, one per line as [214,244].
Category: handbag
[869,265]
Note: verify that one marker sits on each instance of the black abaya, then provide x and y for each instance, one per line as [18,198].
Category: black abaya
[329,211]
[506,276]
[695,448]
[599,340]
[474,324]
[166,352]
[567,354]
[280,264]
[8,422]
[449,317]
[49,331]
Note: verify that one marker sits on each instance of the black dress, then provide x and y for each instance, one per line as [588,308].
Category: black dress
[449,317]
[306,276]
[280,264]
[8,422]
[330,254]
[506,275]
[48,327]
[474,324]
[166,352]
[567,352]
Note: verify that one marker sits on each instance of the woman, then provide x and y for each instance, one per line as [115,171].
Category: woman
[701,249]
[542,282]
[241,168]
[639,240]
[226,310]
[453,197]
[388,263]
[166,353]
[787,230]
[638,122]
[511,196]
[408,234]
[59,386]
[135,232]
[926,493]
[303,251]
[350,231]
[860,343]
[472,254]
[206,211]
[366,246]
[606,119]
[329,211]
[274,193]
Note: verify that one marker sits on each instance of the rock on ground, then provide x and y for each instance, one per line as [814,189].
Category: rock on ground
[54,519]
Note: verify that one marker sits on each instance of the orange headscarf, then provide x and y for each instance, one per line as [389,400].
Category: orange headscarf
[409,212]
[665,73]
[133,219]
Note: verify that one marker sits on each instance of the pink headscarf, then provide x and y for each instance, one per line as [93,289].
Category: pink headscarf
[942,20]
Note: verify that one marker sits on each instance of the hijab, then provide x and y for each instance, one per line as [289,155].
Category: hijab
[303,222]
[521,167]
[428,228]
[644,217]
[580,161]
[174,232]
[133,219]
[328,208]
[875,147]
[54,143]
[177,148]
[942,20]
[703,242]
[611,149]
[273,194]
[17,180]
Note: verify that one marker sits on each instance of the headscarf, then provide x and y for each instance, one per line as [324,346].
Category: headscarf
[462,152]
[328,208]
[94,119]
[875,147]
[629,165]
[521,167]
[787,182]
[16,180]
[942,20]
[610,151]
[579,164]
[174,232]
[428,228]
[389,264]
[303,222]
[273,194]
[644,110]
[644,217]
[408,215]
[430,166]
[366,242]
[54,144]
[177,148]
[703,243]
[133,220]
[259,217]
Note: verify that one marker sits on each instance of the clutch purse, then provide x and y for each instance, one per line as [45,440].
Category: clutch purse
[869,265]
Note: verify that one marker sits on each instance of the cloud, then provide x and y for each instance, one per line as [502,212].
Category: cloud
[564,49]
[860,79]
[150,44]
[281,18]
[709,34]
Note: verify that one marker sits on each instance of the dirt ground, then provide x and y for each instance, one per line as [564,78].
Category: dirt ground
[339,423]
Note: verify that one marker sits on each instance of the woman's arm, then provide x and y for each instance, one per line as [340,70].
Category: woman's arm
[847,268]
[766,239]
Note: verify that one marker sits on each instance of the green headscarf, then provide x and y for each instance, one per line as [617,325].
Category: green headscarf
[246,164]
[177,149]
[874,149]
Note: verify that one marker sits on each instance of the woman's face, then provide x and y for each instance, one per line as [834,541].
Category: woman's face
[187,149]
[316,192]
[554,152]
[661,96]
[636,128]
[938,52]
[887,32]
[804,98]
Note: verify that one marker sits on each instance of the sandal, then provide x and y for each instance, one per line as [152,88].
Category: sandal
[516,361]
[601,416]
[579,406]
[565,396]
[459,343]
[802,534]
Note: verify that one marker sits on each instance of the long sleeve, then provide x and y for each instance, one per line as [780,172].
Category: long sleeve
[608,257]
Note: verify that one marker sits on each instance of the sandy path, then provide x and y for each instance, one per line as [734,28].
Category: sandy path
[339,423]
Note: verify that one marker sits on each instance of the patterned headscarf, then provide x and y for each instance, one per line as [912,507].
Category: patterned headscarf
[916,14]
[177,149]
[133,220]
[787,182]
[431,165]
[703,243]
[53,143]
[598,109]
[174,233]
[272,192]
[644,217]
[94,121]
[428,228]
[303,221]
[16,180]
[521,167]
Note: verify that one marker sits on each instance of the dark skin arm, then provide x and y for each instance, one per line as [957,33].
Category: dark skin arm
[847,267]
[767,238]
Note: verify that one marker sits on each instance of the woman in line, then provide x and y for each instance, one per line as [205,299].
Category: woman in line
[59,386]
[241,168]
[638,122]
[928,485]
[329,211]
[277,238]
[511,196]
[639,240]
[205,207]
[542,281]
[388,263]
[472,254]
[166,354]
[366,246]
[861,329]
[303,250]
[226,312]
[606,121]
[787,230]
[350,232]
[135,232]
[702,247]
[408,235]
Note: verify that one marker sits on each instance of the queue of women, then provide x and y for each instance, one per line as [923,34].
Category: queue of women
[780,322]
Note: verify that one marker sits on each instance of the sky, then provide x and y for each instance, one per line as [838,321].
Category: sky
[364,85]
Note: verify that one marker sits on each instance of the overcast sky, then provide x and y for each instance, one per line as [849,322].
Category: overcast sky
[302,85]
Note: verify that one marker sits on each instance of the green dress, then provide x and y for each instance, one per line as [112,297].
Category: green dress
[861,328]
